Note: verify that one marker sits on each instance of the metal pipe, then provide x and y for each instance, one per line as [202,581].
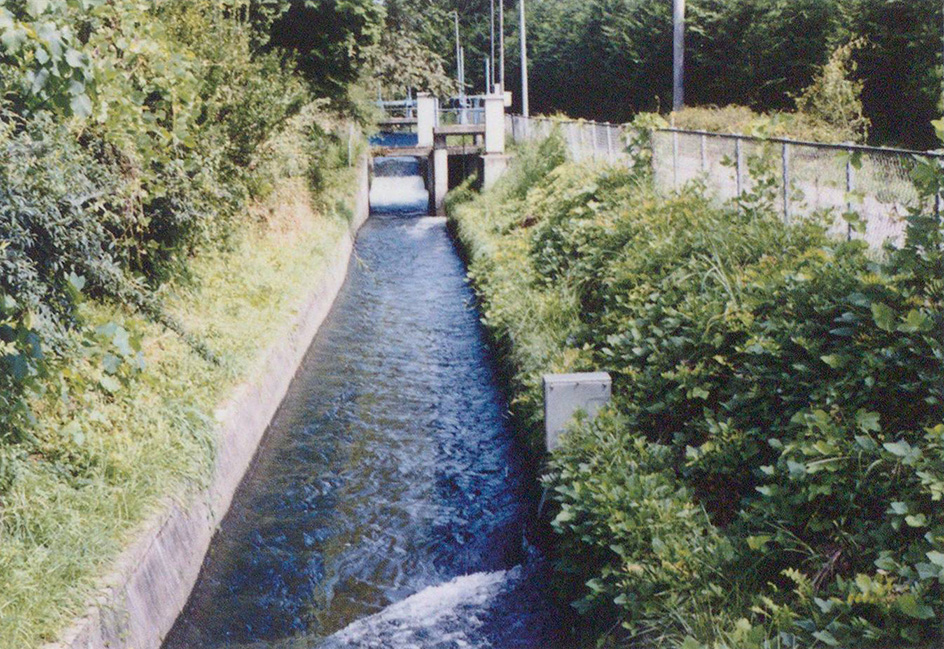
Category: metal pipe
[850,186]
[785,154]
[524,62]
[501,42]
[678,50]
[458,53]
[739,161]
[491,74]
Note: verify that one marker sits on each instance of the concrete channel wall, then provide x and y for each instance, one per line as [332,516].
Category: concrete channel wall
[151,582]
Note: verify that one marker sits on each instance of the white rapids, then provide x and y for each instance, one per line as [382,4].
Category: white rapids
[398,187]
[439,617]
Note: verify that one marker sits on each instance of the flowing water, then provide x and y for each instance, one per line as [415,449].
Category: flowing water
[387,505]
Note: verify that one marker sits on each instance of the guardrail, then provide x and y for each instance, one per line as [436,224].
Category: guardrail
[871,184]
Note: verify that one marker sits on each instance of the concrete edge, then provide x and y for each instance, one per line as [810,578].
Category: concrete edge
[151,581]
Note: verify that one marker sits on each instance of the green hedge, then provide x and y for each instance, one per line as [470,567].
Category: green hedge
[132,134]
[770,472]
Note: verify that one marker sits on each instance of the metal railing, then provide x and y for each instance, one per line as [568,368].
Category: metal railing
[405,108]
[870,184]
[448,116]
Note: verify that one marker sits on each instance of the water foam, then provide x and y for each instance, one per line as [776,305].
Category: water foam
[448,615]
[398,194]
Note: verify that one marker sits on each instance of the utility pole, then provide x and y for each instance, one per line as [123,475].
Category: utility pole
[501,42]
[524,63]
[458,53]
[491,66]
[678,67]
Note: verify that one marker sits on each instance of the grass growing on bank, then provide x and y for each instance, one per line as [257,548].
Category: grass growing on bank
[769,474]
[129,421]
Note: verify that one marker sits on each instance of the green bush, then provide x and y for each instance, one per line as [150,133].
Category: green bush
[770,472]
[132,134]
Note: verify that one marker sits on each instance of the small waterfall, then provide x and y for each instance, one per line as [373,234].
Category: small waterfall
[398,188]
[448,615]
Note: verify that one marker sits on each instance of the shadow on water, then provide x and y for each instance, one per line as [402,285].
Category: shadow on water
[388,501]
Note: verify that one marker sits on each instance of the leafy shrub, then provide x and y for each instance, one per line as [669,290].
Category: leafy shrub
[739,119]
[770,471]
[132,134]
[834,99]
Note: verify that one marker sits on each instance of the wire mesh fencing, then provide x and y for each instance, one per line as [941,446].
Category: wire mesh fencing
[864,192]
[599,141]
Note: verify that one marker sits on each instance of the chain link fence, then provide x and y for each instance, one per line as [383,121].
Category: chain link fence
[866,191]
[598,141]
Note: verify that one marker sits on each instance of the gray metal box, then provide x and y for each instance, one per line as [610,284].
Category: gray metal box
[565,394]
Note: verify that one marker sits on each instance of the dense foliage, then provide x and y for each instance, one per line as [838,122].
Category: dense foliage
[131,134]
[608,59]
[769,474]
[611,59]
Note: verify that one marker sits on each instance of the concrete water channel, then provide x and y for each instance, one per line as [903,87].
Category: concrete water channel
[388,503]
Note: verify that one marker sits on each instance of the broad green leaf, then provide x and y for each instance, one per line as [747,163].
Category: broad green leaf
[916,322]
[935,557]
[909,605]
[833,360]
[110,384]
[75,58]
[868,421]
[36,8]
[826,638]
[884,316]
[916,520]
[81,105]
[899,508]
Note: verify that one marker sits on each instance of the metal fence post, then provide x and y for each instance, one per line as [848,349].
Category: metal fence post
[350,145]
[704,154]
[675,159]
[739,173]
[609,142]
[850,186]
[652,155]
[786,182]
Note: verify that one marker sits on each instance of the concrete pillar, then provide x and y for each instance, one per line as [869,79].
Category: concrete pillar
[494,124]
[440,187]
[493,167]
[565,394]
[425,118]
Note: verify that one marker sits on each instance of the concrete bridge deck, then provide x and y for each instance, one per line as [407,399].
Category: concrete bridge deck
[460,129]
[424,151]
[397,121]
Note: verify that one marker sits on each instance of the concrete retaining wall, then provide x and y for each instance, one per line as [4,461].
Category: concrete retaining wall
[152,580]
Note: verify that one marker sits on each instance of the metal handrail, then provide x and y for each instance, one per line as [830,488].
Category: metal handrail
[818,145]
[845,146]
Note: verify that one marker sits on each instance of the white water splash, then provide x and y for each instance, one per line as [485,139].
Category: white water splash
[448,615]
[400,193]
